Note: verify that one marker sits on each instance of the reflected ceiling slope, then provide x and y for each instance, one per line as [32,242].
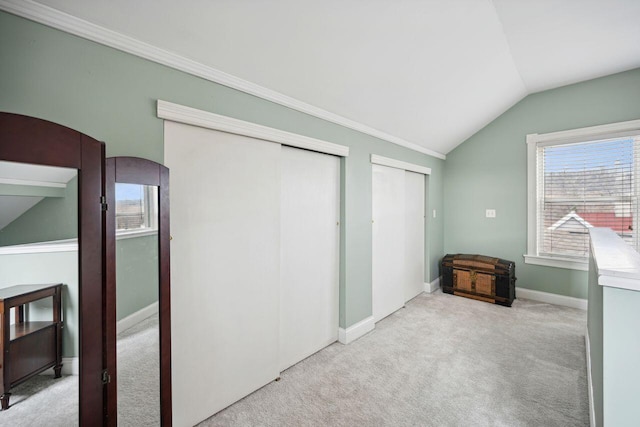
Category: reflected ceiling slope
[430,72]
[22,186]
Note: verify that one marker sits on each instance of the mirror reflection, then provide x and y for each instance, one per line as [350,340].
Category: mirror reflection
[138,348]
[38,274]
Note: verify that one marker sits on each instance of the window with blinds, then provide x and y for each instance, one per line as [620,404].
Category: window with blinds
[136,207]
[583,185]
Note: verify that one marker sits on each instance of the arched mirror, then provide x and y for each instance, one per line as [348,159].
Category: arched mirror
[138,289]
[51,274]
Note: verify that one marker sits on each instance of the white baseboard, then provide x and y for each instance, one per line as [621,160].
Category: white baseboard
[353,332]
[433,286]
[592,409]
[137,317]
[551,298]
[70,366]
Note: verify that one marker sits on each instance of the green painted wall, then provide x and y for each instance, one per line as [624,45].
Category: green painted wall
[621,352]
[53,218]
[488,171]
[112,96]
[136,274]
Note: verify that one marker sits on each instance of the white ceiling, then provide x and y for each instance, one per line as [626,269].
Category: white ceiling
[35,175]
[23,174]
[431,72]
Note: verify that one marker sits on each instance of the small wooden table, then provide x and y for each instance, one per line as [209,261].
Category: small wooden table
[28,348]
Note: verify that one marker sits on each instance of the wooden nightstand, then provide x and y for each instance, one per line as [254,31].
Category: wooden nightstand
[28,348]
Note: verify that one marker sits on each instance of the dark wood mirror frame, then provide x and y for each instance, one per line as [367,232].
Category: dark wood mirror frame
[30,140]
[133,170]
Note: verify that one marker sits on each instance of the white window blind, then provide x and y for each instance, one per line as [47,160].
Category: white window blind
[583,185]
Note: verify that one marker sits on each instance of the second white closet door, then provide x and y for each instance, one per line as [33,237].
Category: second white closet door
[414,234]
[388,212]
[309,287]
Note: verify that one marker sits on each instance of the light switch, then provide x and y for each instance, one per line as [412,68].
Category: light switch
[434,213]
[491,213]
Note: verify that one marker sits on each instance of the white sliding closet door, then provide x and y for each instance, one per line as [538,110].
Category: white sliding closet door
[414,234]
[388,209]
[225,267]
[309,253]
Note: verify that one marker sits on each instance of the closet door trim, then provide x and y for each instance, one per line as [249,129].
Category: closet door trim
[399,164]
[192,116]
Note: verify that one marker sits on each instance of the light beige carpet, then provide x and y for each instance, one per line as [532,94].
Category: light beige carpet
[43,401]
[441,361]
[139,375]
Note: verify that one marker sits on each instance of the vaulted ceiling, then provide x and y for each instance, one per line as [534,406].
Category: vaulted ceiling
[427,72]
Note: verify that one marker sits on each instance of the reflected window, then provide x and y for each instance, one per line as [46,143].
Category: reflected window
[136,208]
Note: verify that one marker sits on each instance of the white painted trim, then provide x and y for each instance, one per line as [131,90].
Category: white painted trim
[592,409]
[399,164]
[552,298]
[617,263]
[573,264]
[28,183]
[432,286]
[121,235]
[611,130]
[70,366]
[137,317]
[79,27]
[532,199]
[205,119]
[619,282]
[68,245]
[353,332]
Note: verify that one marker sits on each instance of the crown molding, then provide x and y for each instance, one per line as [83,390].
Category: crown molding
[192,116]
[79,27]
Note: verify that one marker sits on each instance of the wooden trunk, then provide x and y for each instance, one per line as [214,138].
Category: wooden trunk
[479,277]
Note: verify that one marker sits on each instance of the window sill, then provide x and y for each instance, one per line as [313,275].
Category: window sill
[135,233]
[568,263]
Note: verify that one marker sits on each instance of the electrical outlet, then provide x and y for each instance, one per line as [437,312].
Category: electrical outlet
[491,213]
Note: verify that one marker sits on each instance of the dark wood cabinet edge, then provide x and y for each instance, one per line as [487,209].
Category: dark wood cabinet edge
[111,395]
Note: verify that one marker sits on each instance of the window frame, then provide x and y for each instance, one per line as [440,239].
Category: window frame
[534,141]
[150,213]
